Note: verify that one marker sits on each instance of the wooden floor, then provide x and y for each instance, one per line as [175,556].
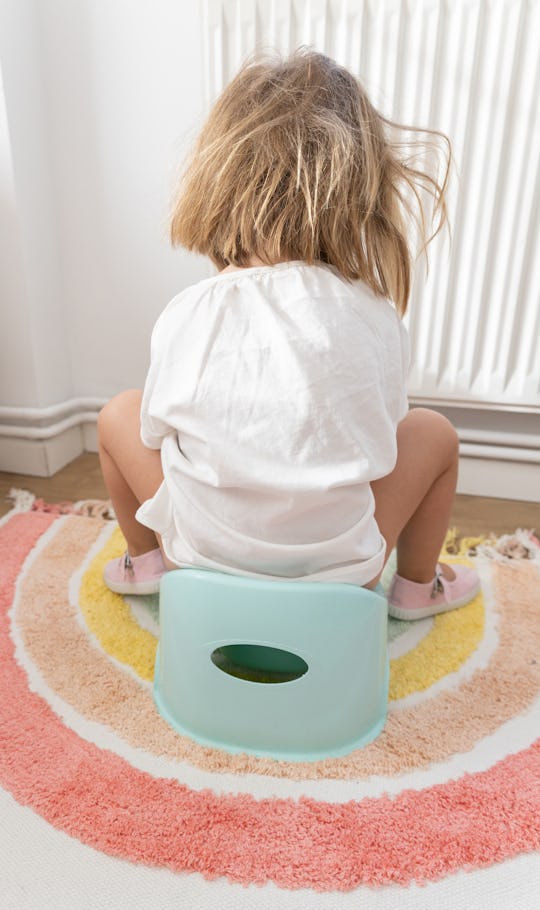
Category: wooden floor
[82,480]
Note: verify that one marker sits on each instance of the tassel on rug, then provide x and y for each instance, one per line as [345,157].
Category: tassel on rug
[24,501]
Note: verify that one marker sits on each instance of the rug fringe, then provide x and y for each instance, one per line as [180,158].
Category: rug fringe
[24,501]
[458,545]
[95,508]
[522,544]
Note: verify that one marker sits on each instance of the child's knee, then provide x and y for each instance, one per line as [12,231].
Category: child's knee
[119,409]
[430,428]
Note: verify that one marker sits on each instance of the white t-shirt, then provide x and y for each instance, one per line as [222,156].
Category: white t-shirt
[274,393]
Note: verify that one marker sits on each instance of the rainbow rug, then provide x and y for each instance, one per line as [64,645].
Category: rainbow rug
[102,805]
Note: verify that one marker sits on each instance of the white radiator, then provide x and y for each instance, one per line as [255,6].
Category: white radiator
[470,68]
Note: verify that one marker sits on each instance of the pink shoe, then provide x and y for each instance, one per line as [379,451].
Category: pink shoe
[413,600]
[135,574]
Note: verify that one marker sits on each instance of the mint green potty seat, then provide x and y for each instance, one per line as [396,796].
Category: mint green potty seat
[289,670]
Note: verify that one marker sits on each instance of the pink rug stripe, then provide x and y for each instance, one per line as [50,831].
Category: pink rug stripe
[19,535]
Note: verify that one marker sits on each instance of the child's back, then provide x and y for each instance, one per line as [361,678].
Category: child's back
[274,394]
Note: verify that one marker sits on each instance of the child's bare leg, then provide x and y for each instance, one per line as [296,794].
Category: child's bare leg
[132,472]
[414,502]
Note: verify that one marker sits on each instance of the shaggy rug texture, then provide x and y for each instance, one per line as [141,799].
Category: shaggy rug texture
[104,805]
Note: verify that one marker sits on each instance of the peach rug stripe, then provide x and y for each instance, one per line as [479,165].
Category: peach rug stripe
[456,720]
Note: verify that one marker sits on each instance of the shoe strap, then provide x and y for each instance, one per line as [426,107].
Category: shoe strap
[128,565]
[440,585]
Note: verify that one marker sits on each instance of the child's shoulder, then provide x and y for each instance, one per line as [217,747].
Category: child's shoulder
[271,284]
[184,305]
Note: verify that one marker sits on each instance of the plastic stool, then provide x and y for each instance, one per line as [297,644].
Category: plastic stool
[309,661]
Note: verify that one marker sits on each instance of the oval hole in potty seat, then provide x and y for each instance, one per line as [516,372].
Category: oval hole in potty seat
[259,663]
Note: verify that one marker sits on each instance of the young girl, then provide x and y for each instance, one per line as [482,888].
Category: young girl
[273,437]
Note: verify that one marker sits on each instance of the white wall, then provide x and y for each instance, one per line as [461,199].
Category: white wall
[101,99]
[124,85]
[32,310]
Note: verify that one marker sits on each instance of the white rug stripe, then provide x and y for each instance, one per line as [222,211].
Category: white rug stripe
[45,869]
[142,616]
[409,639]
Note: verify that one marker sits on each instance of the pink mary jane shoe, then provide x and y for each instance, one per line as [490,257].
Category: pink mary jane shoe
[413,600]
[135,574]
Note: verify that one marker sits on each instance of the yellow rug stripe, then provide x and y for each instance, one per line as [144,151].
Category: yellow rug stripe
[109,618]
[452,639]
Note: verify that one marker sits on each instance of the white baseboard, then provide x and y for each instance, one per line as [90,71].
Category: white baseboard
[499,479]
[496,461]
[499,451]
[40,441]
[90,437]
[40,457]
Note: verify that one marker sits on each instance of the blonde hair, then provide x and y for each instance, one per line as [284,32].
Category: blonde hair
[295,163]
